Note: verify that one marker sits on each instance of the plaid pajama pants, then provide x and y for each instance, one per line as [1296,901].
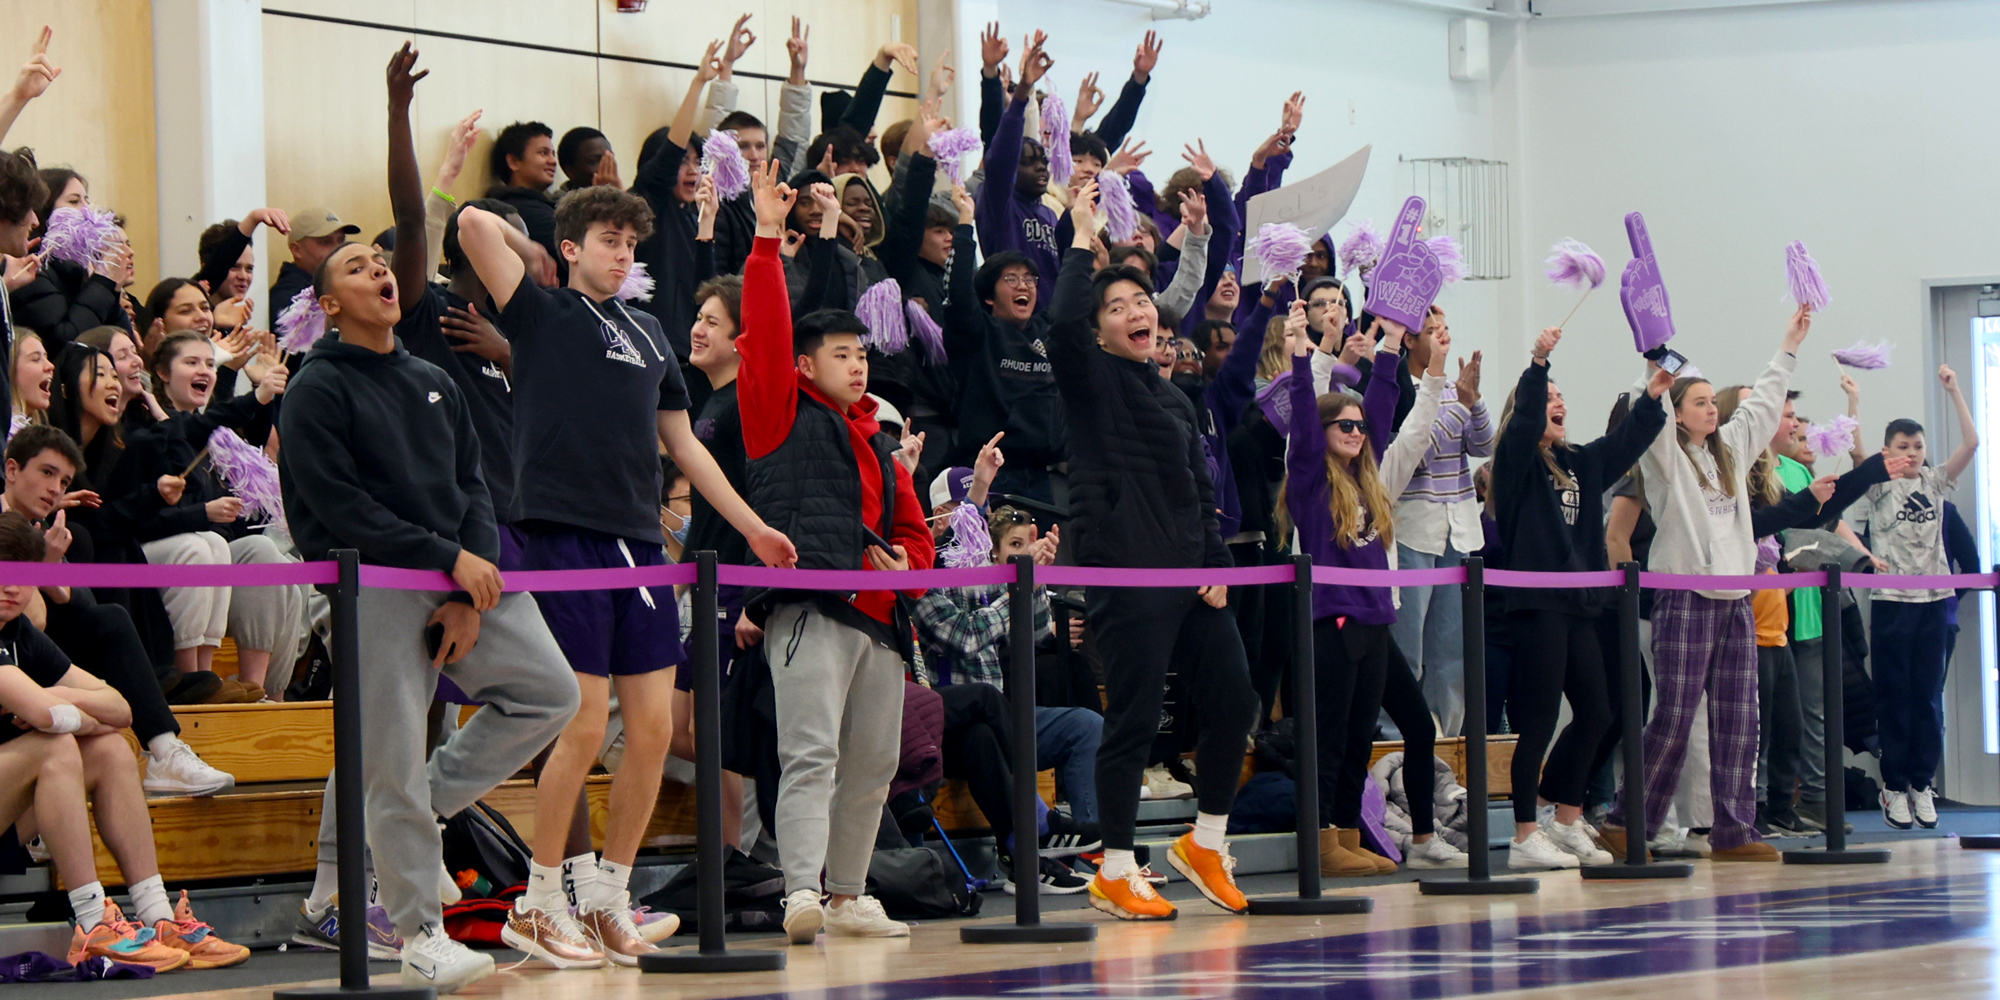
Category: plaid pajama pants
[1703,645]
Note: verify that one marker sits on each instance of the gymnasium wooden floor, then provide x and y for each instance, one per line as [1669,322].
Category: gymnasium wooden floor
[1920,927]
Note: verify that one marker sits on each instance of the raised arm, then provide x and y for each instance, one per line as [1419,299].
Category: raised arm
[438,202]
[483,237]
[1757,419]
[1117,123]
[1070,336]
[1968,430]
[1383,394]
[1003,157]
[1305,455]
[36,75]
[992,92]
[767,385]
[406,182]
[1180,294]
[1401,459]
[867,102]
[681,131]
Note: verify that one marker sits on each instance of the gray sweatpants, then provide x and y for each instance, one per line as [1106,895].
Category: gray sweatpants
[516,669]
[840,734]
[1810,657]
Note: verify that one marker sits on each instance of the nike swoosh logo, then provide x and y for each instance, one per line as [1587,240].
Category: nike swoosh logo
[430,974]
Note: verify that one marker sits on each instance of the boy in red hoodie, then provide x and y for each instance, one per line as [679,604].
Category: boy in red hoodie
[823,471]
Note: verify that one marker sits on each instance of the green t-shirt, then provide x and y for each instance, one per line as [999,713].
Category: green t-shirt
[1805,603]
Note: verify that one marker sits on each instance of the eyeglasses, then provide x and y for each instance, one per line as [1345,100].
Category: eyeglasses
[1017,280]
[1349,426]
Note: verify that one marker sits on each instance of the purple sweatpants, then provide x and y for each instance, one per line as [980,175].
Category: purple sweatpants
[1703,645]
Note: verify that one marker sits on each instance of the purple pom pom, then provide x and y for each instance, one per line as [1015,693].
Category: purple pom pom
[881,310]
[1808,288]
[1281,248]
[250,473]
[1574,265]
[1451,261]
[637,286]
[1868,357]
[950,147]
[1361,250]
[1690,371]
[78,235]
[723,161]
[1055,137]
[1114,196]
[1834,439]
[927,332]
[302,323]
[971,541]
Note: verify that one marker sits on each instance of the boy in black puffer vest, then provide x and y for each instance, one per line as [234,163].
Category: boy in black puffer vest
[823,471]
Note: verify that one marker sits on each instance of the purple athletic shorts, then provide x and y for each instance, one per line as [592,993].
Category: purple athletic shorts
[606,633]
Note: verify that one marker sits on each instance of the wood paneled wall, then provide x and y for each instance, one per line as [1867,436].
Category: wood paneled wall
[98,117]
[325,117]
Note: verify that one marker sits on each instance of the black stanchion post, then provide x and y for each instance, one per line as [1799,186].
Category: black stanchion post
[1303,710]
[1978,841]
[1027,927]
[349,794]
[1833,682]
[1631,737]
[1478,880]
[713,954]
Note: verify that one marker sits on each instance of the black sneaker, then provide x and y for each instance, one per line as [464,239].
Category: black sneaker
[1786,823]
[1067,837]
[1056,879]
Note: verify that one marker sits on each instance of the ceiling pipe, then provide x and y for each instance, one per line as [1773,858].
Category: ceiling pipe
[1171,10]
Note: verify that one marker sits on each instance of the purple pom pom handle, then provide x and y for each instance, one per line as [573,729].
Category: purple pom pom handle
[723,162]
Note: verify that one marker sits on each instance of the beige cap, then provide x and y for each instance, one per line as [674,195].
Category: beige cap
[312,223]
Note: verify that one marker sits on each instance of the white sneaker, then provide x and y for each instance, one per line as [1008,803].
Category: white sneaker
[1896,809]
[448,892]
[1544,815]
[182,772]
[1923,805]
[1671,842]
[1698,846]
[1164,785]
[431,960]
[863,916]
[1538,851]
[803,916]
[1434,853]
[1575,839]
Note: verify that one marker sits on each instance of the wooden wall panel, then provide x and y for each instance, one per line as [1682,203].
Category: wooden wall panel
[98,117]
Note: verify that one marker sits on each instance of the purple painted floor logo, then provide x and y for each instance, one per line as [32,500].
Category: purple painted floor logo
[1498,955]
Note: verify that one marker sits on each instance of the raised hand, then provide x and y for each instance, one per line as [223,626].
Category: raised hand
[1197,157]
[1642,293]
[1129,157]
[463,135]
[1822,488]
[897,53]
[912,451]
[1545,344]
[740,40]
[1468,378]
[606,173]
[57,538]
[1043,548]
[273,217]
[710,66]
[1088,99]
[37,73]
[772,200]
[1407,280]
[1083,211]
[708,205]
[1850,387]
[1147,57]
[797,48]
[1660,383]
[403,82]
[942,75]
[992,50]
[967,208]
[1294,113]
[829,207]
[1948,378]
[1194,211]
[1034,61]
[1796,330]
[1297,330]
[987,466]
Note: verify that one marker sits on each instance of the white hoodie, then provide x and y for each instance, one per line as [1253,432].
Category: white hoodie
[1690,540]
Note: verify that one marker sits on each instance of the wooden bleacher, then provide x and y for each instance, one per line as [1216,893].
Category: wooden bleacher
[281,754]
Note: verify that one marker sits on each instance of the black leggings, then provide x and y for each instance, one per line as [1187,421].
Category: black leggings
[1350,667]
[1782,725]
[1137,631]
[1555,655]
[101,639]
[978,750]
[1403,699]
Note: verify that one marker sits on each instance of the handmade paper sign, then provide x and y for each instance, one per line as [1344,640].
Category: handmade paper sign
[1642,293]
[1314,205]
[1408,279]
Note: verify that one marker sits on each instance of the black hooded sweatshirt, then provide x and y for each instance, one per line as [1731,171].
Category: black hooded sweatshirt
[1003,371]
[381,455]
[1140,492]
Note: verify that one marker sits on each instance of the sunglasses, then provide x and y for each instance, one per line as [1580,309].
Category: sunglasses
[1012,515]
[1349,426]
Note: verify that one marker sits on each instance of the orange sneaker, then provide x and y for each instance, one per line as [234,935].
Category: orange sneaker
[122,941]
[1130,897]
[204,950]
[1213,872]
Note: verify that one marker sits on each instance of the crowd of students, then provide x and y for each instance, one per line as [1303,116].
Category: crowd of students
[1089,400]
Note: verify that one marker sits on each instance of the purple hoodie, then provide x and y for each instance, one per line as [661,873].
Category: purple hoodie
[1008,221]
[1308,497]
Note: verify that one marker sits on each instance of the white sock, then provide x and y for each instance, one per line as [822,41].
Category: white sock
[611,883]
[163,744]
[87,901]
[1116,864]
[579,874]
[1209,830]
[149,900]
[326,882]
[545,889]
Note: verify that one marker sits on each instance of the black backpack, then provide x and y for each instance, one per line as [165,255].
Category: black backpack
[912,884]
[752,894]
[481,839]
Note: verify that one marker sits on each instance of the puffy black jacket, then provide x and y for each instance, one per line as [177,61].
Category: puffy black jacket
[65,300]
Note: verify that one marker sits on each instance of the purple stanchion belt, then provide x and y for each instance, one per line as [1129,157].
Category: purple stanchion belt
[390,578]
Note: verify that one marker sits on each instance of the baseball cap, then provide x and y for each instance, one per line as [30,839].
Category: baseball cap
[312,223]
[951,486]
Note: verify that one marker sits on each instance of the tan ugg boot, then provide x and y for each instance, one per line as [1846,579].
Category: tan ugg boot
[1350,840]
[1336,861]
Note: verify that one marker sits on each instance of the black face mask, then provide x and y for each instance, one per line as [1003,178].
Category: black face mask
[1191,384]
